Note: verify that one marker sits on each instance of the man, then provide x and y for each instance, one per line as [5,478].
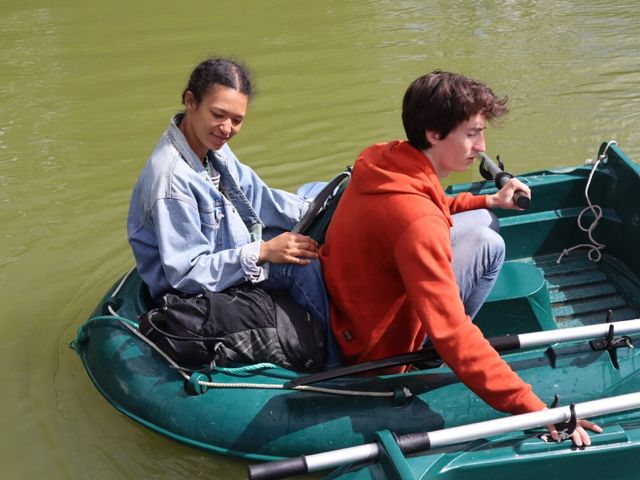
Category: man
[403,262]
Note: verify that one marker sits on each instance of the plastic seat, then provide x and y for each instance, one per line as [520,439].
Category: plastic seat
[518,303]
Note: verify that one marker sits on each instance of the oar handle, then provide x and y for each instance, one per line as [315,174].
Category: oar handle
[289,467]
[501,177]
[520,197]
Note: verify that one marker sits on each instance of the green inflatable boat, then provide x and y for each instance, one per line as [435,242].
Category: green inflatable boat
[562,314]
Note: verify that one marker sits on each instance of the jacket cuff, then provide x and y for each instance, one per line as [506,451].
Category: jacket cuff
[249,263]
[478,201]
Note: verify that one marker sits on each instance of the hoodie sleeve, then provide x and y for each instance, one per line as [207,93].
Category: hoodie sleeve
[466,201]
[423,257]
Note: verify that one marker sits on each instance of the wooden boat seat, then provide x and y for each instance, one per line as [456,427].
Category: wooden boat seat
[518,303]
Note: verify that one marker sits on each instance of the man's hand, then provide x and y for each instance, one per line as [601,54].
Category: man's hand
[289,247]
[580,436]
[503,198]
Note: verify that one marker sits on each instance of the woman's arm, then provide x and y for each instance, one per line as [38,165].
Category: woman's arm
[190,261]
[278,209]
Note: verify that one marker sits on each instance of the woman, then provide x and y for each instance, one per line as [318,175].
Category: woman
[200,221]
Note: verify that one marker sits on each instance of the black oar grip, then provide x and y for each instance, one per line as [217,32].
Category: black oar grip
[414,442]
[504,343]
[289,467]
[521,199]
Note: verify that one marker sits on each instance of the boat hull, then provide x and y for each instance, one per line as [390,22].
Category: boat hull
[261,423]
[248,414]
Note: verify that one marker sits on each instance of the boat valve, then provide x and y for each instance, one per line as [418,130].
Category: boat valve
[402,396]
[193,385]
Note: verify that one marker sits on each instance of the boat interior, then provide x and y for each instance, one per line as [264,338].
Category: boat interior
[572,257]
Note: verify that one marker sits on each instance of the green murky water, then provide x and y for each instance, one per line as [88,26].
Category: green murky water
[87,89]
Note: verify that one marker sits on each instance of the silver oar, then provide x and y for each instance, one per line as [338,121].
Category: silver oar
[548,337]
[439,438]
[501,343]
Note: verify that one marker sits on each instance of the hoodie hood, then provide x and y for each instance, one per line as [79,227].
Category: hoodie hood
[398,168]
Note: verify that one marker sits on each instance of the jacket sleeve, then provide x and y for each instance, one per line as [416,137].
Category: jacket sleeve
[466,201]
[423,257]
[189,262]
[276,208]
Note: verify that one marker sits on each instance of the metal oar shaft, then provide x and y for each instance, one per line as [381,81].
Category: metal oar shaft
[439,438]
[291,467]
[547,337]
[474,431]
[501,343]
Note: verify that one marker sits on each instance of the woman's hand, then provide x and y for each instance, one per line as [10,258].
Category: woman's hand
[580,436]
[289,247]
[503,198]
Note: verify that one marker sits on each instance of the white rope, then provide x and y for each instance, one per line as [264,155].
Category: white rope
[594,254]
[305,388]
[122,282]
[137,333]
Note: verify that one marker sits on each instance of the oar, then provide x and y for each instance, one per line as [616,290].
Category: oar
[416,442]
[492,171]
[319,202]
[501,343]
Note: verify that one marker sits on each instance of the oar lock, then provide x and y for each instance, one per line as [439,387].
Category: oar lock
[486,170]
[565,429]
[610,343]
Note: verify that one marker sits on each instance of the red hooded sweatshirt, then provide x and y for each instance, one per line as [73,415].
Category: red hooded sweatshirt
[387,266]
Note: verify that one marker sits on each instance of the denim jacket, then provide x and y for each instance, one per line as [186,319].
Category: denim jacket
[187,236]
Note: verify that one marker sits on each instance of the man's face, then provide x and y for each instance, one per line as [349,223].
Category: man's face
[458,150]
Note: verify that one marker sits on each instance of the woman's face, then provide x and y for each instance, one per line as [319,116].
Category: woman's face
[215,120]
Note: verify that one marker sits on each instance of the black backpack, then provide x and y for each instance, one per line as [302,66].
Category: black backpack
[244,324]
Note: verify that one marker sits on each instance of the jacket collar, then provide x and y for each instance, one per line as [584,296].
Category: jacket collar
[179,141]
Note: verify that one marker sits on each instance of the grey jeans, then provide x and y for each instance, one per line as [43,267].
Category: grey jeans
[478,255]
